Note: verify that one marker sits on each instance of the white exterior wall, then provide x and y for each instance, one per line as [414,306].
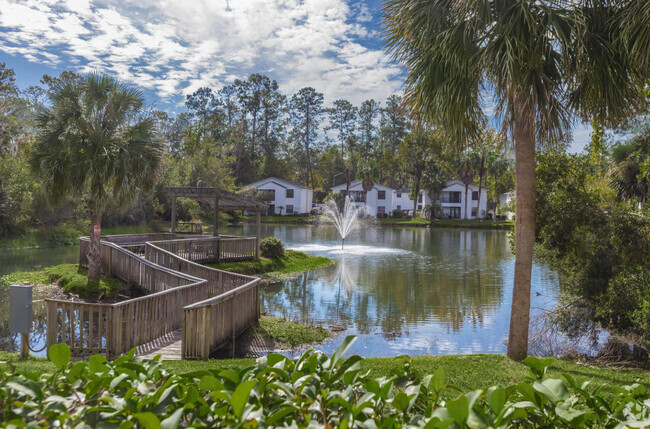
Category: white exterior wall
[459,187]
[302,197]
[372,198]
[406,204]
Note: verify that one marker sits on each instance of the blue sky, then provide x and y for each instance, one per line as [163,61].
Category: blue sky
[171,48]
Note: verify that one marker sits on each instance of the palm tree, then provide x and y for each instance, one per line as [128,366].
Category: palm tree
[93,142]
[497,165]
[435,180]
[628,175]
[367,172]
[543,61]
[478,158]
[466,173]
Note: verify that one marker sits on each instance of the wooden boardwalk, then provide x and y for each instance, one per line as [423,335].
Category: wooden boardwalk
[169,346]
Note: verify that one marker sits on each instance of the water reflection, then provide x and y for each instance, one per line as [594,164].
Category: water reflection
[407,290]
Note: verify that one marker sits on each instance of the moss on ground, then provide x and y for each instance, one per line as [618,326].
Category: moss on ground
[277,268]
[289,333]
[70,277]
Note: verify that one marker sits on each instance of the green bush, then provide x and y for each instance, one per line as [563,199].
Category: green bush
[271,247]
[311,390]
[65,233]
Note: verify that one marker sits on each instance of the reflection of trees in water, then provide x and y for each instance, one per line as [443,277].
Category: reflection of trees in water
[452,278]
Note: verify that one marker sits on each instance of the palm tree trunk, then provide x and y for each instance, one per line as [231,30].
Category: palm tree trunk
[94,249]
[480,183]
[524,136]
[494,209]
[466,216]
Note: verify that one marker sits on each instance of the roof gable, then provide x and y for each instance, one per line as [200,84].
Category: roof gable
[281,182]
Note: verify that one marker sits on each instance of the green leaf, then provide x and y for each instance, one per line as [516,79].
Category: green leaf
[342,348]
[497,398]
[240,397]
[97,363]
[401,402]
[459,409]
[60,355]
[173,421]
[148,420]
[438,381]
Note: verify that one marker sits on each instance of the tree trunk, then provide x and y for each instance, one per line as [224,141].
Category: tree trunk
[524,136]
[94,249]
[480,183]
[494,210]
[466,215]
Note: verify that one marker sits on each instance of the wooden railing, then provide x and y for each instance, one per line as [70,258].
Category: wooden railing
[216,322]
[212,249]
[177,289]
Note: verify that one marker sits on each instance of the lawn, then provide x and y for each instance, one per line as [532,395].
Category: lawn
[277,268]
[400,221]
[282,219]
[289,333]
[472,223]
[467,372]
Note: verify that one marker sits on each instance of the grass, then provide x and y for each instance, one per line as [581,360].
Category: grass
[290,333]
[70,277]
[277,268]
[467,372]
[472,223]
[400,221]
[281,219]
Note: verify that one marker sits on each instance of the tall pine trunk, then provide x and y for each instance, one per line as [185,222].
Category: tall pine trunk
[94,249]
[524,136]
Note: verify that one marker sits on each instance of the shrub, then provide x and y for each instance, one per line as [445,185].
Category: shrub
[271,247]
[398,213]
[311,390]
[64,233]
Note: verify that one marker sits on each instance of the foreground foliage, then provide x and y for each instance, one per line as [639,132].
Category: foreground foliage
[310,390]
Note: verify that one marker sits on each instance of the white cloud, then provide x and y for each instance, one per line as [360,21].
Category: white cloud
[175,47]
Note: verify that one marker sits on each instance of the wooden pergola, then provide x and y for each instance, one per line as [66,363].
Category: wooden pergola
[219,200]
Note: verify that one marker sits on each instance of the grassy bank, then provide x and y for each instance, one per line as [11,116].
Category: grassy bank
[461,223]
[467,372]
[277,268]
[70,277]
[282,219]
[290,334]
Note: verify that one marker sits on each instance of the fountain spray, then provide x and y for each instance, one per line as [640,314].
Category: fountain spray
[345,220]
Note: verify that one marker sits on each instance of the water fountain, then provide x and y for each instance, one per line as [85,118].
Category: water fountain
[345,220]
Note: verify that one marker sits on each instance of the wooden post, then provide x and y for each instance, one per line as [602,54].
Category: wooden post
[215,228]
[24,346]
[173,215]
[258,232]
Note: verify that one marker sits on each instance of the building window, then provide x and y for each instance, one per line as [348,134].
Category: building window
[399,208]
[381,210]
[289,193]
[381,195]
[344,192]
[474,195]
[451,197]
[420,198]
[289,209]
[474,211]
[419,206]
[452,212]
[399,195]
[357,196]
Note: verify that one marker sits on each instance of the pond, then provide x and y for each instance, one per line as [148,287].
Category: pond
[405,290]
[400,290]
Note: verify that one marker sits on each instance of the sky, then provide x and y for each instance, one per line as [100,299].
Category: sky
[171,48]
